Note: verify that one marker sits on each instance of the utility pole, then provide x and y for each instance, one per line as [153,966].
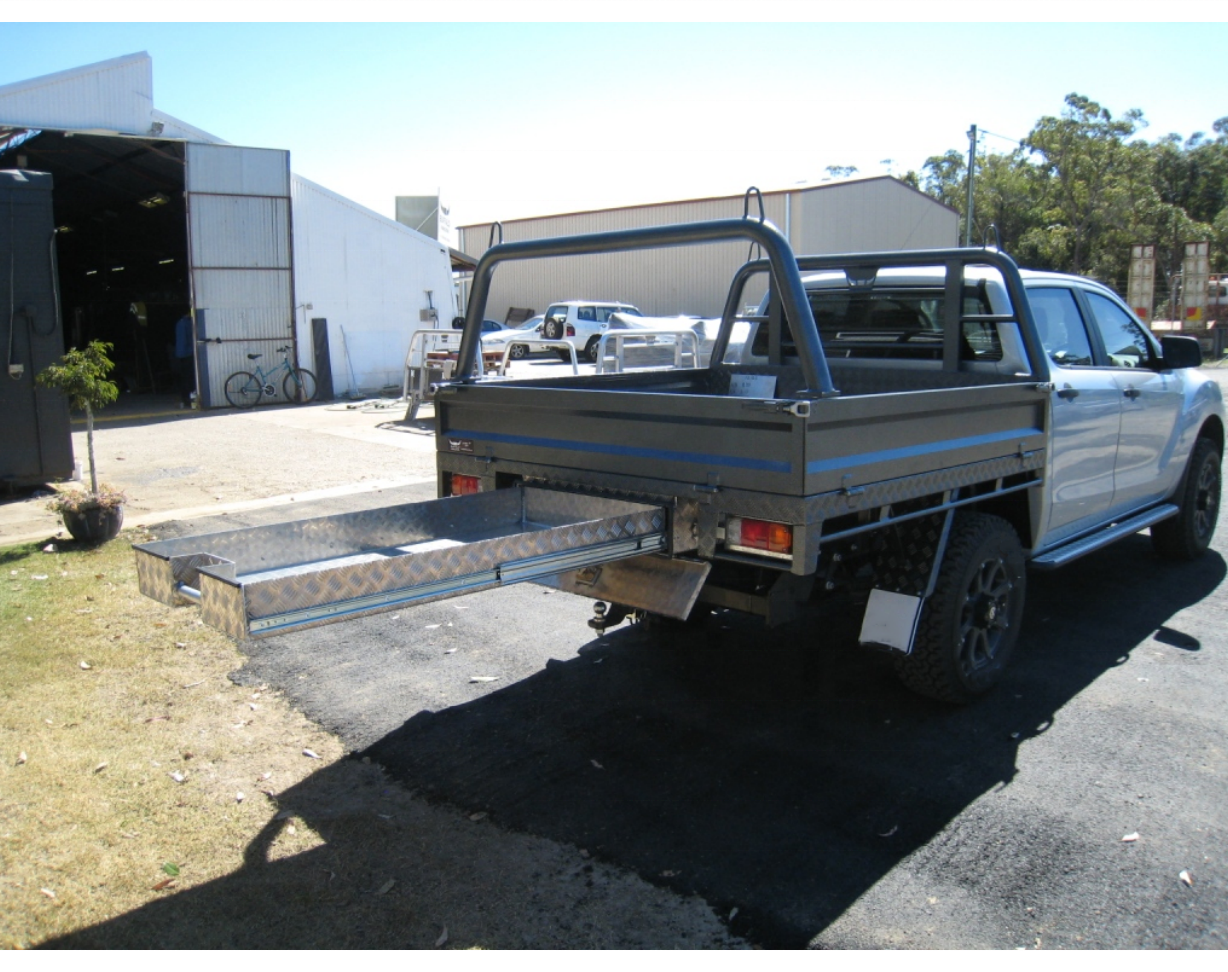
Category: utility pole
[971,176]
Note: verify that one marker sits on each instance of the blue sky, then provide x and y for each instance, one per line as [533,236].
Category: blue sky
[526,119]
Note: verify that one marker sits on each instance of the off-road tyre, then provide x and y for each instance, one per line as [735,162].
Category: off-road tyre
[1187,535]
[242,390]
[301,391]
[552,330]
[970,624]
[591,350]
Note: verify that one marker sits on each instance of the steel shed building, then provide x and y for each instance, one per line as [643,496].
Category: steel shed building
[879,213]
[156,217]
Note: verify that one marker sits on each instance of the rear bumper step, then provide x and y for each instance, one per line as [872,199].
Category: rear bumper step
[1059,556]
[262,580]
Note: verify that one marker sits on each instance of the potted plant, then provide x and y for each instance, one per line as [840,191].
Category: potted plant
[81,375]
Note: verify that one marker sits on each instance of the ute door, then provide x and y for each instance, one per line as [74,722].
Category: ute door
[1151,402]
[1085,415]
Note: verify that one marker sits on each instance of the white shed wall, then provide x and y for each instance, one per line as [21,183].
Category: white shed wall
[869,214]
[369,275]
[114,95]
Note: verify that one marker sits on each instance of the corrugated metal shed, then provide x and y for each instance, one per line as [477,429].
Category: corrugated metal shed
[864,214]
[240,251]
[114,95]
[271,256]
[369,275]
[173,127]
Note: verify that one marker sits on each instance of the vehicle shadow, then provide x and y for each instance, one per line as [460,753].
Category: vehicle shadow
[782,776]
[765,775]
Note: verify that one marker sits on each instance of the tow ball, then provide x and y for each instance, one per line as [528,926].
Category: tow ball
[607,615]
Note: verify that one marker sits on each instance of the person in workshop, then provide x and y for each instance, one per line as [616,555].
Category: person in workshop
[185,370]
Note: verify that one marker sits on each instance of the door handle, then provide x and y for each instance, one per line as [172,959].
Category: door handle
[1068,393]
[1131,392]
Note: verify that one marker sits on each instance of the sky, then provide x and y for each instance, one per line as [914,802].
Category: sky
[525,119]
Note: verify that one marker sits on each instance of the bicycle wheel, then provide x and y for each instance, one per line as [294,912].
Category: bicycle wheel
[243,390]
[299,386]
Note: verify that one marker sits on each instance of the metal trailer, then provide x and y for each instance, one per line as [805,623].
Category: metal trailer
[625,486]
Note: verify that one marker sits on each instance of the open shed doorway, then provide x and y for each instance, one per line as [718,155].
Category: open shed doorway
[122,243]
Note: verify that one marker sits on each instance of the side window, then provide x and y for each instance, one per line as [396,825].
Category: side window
[585,314]
[1124,340]
[1062,332]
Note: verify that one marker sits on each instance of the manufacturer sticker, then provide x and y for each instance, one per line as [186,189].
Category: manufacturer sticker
[461,445]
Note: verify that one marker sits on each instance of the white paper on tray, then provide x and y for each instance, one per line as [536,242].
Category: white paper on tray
[752,386]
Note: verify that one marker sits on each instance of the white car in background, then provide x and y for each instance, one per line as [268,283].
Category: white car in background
[524,338]
[582,322]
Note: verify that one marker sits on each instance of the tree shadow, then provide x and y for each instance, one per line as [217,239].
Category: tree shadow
[782,774]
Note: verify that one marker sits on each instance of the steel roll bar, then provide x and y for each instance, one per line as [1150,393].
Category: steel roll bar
[866,265]
[785,274]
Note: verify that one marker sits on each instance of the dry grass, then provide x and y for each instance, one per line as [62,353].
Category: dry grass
[105,694]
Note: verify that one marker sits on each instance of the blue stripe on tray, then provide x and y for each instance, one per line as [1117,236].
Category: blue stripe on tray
[906,452]
[638,452]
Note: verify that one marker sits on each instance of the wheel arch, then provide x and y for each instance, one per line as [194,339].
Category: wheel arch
[1213,429]
[1016,509]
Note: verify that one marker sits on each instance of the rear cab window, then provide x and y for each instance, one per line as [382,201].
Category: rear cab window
[892,323]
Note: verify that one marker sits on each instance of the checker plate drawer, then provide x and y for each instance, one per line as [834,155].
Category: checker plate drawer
[262,580]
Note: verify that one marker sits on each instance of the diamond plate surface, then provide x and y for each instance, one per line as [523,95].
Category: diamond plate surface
[221,606]
[874,495]
[904,565]
[154,577]
[312,588]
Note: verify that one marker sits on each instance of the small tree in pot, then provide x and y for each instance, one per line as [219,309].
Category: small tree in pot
[82,376]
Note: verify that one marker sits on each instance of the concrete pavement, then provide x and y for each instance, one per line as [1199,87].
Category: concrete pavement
[176,464]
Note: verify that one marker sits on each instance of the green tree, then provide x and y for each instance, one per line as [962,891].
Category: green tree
[82,376]
[1081,157]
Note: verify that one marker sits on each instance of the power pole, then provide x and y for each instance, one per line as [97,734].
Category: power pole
[971,176]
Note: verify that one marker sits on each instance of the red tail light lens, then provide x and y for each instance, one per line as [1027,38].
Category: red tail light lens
[464,485]
[759,536]
[571,331]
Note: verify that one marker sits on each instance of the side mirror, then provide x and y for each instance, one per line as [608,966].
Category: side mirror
[1180,351]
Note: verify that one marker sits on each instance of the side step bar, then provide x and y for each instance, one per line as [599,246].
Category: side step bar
[1059,556]
[263,580]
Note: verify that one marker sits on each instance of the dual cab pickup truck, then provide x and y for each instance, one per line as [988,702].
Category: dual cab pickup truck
[910,429]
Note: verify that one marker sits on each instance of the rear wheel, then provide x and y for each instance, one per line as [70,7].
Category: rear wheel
[518,351]
[299,387]
[970,624]
[1188,534]
[592,349]
[243,390]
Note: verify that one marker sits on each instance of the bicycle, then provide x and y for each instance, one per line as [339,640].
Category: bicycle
[244,390]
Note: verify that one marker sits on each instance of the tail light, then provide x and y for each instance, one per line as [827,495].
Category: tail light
[760,537]
[464,485]
[571,330]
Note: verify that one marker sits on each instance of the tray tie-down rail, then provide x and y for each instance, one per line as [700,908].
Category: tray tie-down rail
[259,581]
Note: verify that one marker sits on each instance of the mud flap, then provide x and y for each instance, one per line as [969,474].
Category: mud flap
[907,571]
[891,620]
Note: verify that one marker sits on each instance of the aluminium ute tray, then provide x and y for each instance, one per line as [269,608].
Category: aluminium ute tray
[261,580]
